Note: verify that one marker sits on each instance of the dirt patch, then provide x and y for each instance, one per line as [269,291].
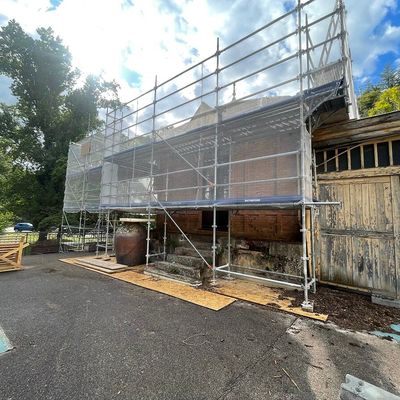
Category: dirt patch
[349,310]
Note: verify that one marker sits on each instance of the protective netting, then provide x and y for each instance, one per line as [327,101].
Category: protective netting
[84,172]
[230,130]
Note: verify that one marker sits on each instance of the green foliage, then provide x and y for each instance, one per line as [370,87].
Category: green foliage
[367,100]
[388,101]
[51,111]
[390,77]
[383,97]
[51,221]
[6,219]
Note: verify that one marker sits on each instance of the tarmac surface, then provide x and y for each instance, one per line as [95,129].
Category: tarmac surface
[81,335]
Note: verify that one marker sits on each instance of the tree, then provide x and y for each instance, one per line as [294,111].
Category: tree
[367,99]
[390,77]
[51,111]
[388,101]
[381,93]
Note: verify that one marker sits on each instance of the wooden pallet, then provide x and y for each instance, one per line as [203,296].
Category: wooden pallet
[11,255]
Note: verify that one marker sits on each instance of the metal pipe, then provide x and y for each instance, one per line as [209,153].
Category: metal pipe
[294,285]
[181,231]
[289,178]
[323,18]
[281,39]
[186,86]
[150,186]
[313,263]
[283,16]
[263,271]
[186,102]
[277,155]
[60,243]
[183,158]
[156,254]
[248,205]
[260,70]
[302,161]
[214,226]
[165,237]
[268,88]
[107,231]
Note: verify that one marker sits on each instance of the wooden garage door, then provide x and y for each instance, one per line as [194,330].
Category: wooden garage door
[358,243]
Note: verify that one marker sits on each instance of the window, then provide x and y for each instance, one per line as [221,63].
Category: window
[396,152]
[319,160]
[369,155]
[222,220]
[330,161]
[355,157]
[383,154]
[343,159]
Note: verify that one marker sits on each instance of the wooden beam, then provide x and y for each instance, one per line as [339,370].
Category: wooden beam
[360,173]
[357,130]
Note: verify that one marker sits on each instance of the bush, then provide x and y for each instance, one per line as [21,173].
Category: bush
[6,219]
[49,222]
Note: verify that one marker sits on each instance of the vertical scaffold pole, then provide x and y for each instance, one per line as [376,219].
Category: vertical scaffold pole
[165,238]
[312,227]
[107,232]
[98,224]
[304,257]
[60,236]
[151,174]
[229,243]
[214,226]
[306,303]
[84,230]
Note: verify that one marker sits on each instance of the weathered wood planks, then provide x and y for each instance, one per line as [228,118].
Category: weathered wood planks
[359,242]
[11,255]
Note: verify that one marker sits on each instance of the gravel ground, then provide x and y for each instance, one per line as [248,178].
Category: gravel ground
[81,335]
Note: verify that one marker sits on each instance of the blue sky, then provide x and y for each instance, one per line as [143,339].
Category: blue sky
[132,40]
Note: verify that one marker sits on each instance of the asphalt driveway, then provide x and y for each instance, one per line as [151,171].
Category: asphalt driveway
[80,335]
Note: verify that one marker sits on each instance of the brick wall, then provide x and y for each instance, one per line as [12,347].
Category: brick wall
[271,225]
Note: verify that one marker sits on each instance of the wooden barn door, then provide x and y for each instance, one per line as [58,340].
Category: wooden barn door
[358,244]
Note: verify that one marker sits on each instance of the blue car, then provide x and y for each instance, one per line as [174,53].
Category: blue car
[23,227]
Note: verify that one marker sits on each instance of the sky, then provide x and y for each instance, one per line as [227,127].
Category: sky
[133,40]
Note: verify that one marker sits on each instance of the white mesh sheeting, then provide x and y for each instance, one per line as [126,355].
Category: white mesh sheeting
[229,130]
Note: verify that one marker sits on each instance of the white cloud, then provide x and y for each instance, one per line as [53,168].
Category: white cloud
[162,37]
[369,36]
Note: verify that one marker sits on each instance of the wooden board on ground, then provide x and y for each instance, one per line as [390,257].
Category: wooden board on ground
[11,255]
[203,298]
[82,262]
[263,295]
[102,263]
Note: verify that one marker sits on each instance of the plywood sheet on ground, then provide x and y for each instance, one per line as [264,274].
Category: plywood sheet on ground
[213,301]
[203,298]
[263,295]
[82,262]
[102,263]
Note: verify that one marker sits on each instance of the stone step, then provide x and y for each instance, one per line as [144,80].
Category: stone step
[200,245]
[177,269]
[190,251]
[188,261]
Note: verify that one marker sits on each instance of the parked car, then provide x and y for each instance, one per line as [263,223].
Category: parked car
[23,227]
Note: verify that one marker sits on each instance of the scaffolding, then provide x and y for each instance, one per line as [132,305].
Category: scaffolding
[232,131]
